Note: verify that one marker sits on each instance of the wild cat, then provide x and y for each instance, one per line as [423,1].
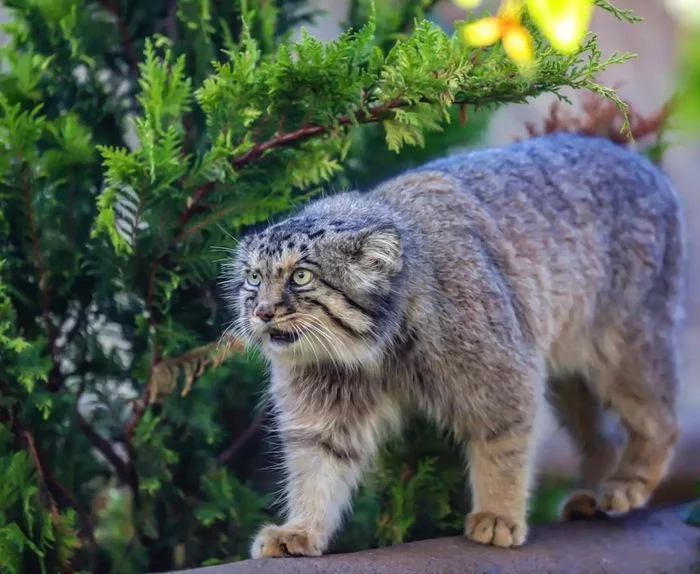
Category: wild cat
[474,288]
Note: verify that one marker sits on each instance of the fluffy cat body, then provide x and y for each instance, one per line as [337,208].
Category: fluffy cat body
[473,288]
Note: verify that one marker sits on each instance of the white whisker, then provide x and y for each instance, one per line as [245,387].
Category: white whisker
[317,333]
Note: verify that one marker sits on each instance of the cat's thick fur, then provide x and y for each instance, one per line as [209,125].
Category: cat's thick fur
[473,288]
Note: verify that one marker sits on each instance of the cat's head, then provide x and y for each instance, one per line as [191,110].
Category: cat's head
[317,289]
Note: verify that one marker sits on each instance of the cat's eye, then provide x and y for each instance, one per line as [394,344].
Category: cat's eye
[253,278]
[301,277]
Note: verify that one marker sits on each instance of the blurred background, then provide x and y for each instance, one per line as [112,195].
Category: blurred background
[203,464]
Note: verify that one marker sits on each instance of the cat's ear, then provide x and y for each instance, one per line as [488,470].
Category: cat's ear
[379,249]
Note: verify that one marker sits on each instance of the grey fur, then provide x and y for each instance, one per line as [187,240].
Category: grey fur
[461,288]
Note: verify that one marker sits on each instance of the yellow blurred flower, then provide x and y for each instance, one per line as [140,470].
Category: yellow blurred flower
[507,27]
[563,22]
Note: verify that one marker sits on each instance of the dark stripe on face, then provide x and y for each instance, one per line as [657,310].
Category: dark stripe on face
[349,300]
[287,301]
[337,320]
[236,286]
[316,234]
[308,261]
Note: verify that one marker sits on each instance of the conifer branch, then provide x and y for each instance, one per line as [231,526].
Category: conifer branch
[372,115]
[288,139]
[48,481]
[56,490]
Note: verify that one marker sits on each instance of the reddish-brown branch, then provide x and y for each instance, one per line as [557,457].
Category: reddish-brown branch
[196,199]
[39,465]
[305,132]
[373,115]
[132,58]
[102,445]
[463,116]
[279,140]
[206,221]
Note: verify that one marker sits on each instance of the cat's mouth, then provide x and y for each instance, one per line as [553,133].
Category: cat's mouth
[282,337]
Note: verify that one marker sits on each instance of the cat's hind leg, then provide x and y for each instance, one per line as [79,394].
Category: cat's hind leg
[581,413]
[643,393]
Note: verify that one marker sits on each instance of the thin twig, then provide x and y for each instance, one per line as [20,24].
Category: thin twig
[39,464]
[102,445]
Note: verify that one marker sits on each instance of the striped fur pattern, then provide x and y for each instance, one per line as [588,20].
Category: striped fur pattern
[475,288]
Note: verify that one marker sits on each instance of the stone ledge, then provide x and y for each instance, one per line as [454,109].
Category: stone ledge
[652,541]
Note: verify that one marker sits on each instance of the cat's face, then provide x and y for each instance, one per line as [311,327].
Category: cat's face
[309,290]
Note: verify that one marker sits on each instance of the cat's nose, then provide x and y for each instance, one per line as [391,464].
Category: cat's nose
[264,312]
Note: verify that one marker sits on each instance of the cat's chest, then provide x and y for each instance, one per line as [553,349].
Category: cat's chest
[328,388]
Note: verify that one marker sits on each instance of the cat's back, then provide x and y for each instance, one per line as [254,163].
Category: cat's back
[574,198]
[564,179]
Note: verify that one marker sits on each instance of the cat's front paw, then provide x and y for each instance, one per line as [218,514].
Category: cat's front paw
[278,541]
[488,528]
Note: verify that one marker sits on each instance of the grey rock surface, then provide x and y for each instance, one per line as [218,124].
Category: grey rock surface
[655,541]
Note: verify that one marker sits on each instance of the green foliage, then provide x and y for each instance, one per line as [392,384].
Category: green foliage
[33,538]
[545,505]
[137,138]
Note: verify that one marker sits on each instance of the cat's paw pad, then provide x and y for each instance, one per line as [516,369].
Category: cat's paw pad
[580,505]
[488,528]
[278,541]
[620,496]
